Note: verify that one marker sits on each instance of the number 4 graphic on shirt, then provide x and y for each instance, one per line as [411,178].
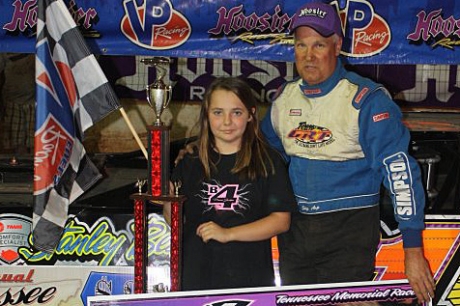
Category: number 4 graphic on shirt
[223,197]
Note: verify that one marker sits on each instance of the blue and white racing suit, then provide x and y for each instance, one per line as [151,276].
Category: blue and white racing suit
[343,138]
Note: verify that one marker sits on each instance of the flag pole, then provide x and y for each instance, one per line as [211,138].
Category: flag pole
[133,131]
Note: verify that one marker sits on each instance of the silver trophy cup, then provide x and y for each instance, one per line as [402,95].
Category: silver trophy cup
[158,93]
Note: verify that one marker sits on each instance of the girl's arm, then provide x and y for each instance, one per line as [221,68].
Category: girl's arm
[262,229]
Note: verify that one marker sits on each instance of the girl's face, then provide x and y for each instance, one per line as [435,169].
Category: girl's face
[228,118]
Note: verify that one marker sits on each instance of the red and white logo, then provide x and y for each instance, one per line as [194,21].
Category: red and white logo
[155,27]
[14,233]
[366,33]
[315,91]
[361,94]
[53,147]
[380,117]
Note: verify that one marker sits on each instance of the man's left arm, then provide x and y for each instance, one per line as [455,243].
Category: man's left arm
[385,140]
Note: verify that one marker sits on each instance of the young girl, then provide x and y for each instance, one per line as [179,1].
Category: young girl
[238,195]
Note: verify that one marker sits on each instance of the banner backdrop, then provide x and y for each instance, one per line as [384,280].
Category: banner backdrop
[416,86]
[377,31]
[95,257]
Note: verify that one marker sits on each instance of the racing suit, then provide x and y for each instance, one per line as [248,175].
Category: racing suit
[343,138]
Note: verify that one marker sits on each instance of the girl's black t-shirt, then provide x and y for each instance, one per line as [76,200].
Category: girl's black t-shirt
[228,201]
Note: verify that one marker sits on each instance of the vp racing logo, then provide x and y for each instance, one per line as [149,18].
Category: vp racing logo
[154,24]
[366,33]
[311,136]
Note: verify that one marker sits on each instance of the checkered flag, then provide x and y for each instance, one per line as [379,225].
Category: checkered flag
[72,94]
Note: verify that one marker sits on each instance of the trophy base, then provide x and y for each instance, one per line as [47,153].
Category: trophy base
[141,230]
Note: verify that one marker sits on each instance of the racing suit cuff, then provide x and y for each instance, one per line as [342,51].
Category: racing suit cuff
[412,238]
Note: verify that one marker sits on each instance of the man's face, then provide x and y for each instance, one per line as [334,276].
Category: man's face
[315,55]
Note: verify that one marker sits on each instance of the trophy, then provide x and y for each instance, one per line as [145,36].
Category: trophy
[158,93]
[158,96]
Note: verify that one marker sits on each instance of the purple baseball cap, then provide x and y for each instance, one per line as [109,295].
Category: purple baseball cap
[321,17]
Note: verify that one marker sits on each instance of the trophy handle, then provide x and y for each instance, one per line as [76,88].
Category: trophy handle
[168,99]
[147,90]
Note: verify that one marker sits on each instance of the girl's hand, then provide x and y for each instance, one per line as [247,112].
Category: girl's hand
[210,230]
[262,229]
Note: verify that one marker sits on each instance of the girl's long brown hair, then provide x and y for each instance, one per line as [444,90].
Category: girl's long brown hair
[252,160]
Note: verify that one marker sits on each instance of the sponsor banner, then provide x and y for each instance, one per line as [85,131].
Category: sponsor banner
[89,239]
[92,241]
[412,86]
[441,242]
[406,32]
[68,285]
[332,294]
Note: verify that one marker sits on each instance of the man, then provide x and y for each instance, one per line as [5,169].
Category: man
[343,137]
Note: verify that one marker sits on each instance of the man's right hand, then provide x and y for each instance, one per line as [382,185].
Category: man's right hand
[188,149]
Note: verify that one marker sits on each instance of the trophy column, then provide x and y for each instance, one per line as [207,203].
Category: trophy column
[158,143]
[158,96]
